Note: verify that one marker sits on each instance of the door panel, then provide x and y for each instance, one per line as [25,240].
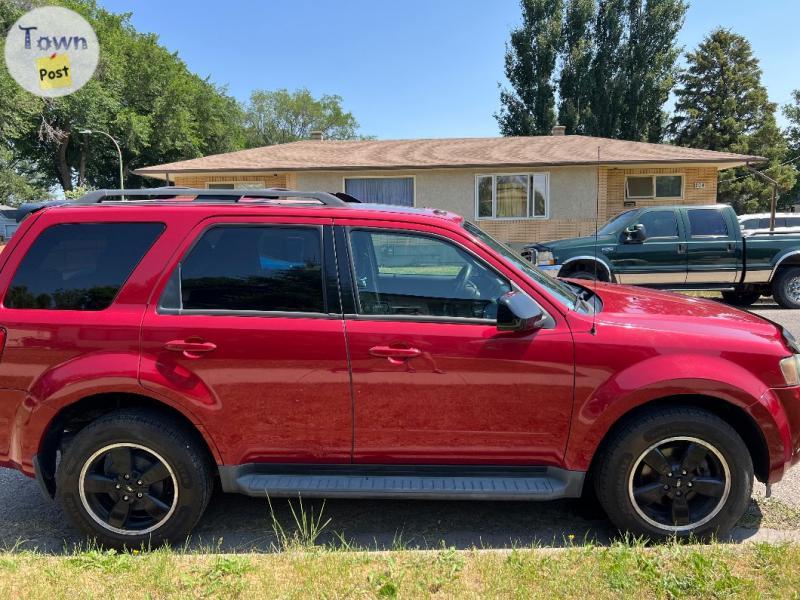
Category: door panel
[713,250]
[661,258]
[269,384]
[434,381]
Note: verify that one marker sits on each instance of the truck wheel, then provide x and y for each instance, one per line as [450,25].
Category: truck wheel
[582,274]
[133,478]
[677,472]
[740,298]
[786,288]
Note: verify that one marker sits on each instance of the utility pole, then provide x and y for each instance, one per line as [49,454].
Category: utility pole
[774,184]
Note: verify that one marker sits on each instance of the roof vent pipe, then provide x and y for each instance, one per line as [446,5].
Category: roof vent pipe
[558,130]
[317,135]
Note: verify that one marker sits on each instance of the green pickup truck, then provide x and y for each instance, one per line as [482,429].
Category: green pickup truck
[681,248]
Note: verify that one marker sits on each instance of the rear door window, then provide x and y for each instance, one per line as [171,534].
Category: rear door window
[237,268]
[80,266]
[707,222]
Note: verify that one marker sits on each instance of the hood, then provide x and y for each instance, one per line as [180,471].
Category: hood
[666,310]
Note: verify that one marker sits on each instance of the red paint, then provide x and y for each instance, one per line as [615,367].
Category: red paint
[278,389]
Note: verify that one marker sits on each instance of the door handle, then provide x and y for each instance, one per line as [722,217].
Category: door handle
[731,246]
[396,356]
[190,349]
[681,248]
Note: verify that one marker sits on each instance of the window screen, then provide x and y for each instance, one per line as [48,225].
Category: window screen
[408,274]
[243,268]
[706,221]
[80,266]
[669,186]
[639,187]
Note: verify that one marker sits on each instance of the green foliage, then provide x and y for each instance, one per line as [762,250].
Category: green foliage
[792,113]
[614,63]
[280,116]
[722,105]
[529,107]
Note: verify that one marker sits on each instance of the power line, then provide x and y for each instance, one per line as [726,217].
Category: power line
[788,162]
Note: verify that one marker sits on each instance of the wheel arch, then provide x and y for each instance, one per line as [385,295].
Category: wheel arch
[588,263]
[73,417]
[788,259]
[743,423]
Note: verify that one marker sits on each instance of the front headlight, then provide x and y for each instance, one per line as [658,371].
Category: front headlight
[790,367]
[545,257]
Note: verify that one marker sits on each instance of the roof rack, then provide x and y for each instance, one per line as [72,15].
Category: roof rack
[207,195]
[211,196]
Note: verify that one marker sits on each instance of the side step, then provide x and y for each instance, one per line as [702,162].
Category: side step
[444,483]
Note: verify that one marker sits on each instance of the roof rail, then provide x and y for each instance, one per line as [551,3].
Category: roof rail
[206,195]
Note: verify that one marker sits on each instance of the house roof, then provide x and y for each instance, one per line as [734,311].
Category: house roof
[547,150]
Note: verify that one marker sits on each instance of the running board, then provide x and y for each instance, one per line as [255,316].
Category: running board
[424,482]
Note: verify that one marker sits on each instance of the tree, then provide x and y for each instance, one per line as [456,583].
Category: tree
[530,61]
[159,111]
[280,116]
[792,113]
[574,81]
[613,62]
[722,105]
[649,66]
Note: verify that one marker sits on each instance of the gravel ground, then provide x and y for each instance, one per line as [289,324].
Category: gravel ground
[240,523]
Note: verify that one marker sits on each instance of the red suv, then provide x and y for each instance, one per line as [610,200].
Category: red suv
[159,342]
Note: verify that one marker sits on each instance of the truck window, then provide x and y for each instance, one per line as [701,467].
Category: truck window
[660,223]
[80,266]
[706,221]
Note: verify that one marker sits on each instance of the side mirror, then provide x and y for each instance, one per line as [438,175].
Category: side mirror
[517,312]
[635,234]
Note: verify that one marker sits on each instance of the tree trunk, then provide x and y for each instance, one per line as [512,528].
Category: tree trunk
[64,173]
[82,163]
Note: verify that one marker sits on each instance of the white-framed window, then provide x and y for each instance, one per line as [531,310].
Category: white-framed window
[236,185]
[397,191]
[653,186]
[512,196]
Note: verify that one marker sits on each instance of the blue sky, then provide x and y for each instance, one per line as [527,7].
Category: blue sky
[409,68]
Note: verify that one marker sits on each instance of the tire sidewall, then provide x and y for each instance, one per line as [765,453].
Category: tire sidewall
[780,291]
[615,494]
[192,491]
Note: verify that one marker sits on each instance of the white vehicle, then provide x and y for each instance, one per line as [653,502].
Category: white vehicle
[759,223]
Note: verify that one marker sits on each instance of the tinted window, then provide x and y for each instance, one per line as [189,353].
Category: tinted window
[80,266]
[750,224]
[253,268]
[669,186]
[409,274]
[660,223]
[707,221]
[793,221]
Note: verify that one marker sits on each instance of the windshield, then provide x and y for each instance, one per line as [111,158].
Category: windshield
[613,224]
[558,289]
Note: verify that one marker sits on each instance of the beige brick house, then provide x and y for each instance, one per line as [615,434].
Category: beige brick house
[521,189]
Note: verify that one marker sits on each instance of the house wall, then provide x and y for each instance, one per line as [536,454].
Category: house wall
[573,194]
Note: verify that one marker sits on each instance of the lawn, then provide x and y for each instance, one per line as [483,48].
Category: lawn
[664,571]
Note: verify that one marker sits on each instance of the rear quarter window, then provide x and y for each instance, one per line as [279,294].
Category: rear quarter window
[79,266]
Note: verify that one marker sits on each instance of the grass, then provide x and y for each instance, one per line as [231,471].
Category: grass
[623,569]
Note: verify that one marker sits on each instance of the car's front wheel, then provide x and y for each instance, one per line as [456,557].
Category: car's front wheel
[786,288]
[134,478]
[676,471]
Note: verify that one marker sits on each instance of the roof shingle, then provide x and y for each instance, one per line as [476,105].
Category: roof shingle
[446,153]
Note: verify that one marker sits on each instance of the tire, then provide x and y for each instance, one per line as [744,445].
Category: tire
[786,288]
[633,493]
[131,512]
[582,274]
[740,298]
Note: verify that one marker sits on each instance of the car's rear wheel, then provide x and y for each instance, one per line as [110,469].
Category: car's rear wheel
[675,472]
[131,478]
[740,298]
[786,288]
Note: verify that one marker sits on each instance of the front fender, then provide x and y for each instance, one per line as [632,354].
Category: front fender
[599,408]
